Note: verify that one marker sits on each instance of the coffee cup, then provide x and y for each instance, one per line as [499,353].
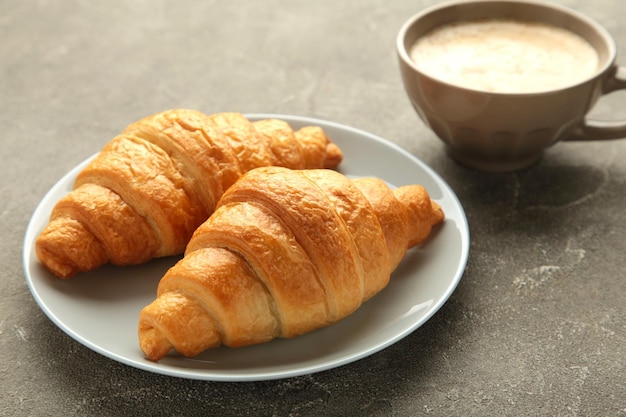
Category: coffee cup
[507,125]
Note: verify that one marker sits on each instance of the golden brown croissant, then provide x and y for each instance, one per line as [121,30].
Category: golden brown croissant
[286,252]
[150,187]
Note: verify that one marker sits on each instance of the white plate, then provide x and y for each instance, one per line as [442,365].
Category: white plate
[100,309]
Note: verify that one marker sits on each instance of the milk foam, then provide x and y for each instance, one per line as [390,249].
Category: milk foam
[505,56]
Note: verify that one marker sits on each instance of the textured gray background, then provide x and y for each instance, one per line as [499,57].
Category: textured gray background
[536,326]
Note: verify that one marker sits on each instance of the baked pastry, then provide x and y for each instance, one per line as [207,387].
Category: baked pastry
[150,187]
[286,252]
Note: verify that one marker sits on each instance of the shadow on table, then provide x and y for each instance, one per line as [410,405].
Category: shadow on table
[541,196]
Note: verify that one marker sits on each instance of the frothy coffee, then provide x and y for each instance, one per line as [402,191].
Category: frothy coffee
[505,56]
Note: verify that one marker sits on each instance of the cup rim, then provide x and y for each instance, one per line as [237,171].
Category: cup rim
[598,28]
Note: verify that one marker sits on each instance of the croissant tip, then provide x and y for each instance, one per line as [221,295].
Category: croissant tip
[438,213]
[152,343]
[424,213]
[334,156]
[53,262]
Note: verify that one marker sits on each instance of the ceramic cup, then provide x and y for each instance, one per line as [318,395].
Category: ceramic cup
[509,131]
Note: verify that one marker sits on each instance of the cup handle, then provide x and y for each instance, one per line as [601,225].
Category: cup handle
[599,129]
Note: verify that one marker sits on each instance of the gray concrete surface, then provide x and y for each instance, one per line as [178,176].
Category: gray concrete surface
[537,325]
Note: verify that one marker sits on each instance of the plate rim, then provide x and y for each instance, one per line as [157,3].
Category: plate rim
[212,375]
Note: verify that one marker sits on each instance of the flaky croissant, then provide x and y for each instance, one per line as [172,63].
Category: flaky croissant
[286,252]
[150,187]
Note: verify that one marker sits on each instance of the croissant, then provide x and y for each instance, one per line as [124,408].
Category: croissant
[286,252]
[150,187]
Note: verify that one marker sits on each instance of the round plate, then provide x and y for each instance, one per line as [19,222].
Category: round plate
[100,309]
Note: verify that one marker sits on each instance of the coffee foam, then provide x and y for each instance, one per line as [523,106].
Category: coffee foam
[505,56]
